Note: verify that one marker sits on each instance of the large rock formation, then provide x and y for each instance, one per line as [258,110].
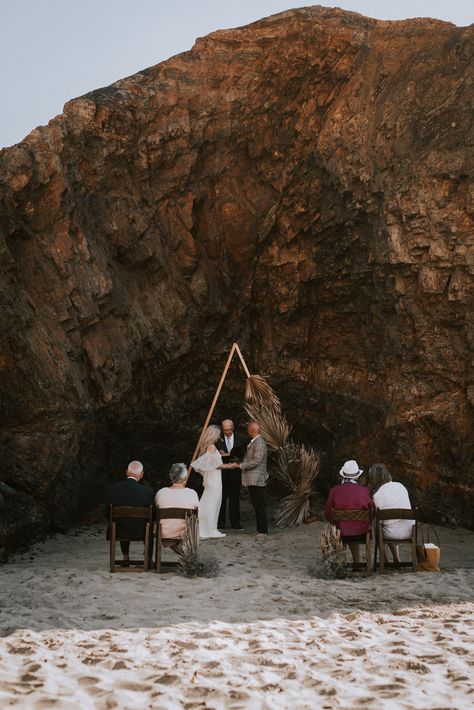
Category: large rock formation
[301,185]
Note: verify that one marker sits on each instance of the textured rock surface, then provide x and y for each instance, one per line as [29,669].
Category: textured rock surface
[301,185]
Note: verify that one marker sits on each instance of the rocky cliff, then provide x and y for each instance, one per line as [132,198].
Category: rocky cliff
[302,185]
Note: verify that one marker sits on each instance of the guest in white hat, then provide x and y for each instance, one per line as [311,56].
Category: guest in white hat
[130,492]
[349,495]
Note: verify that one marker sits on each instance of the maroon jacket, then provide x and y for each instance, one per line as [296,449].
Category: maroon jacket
[349,496]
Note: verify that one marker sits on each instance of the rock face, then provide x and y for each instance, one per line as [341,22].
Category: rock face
[301,185]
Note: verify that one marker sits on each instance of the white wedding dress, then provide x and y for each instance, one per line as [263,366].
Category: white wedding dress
[211,499]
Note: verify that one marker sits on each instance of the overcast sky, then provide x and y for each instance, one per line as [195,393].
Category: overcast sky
[54,50]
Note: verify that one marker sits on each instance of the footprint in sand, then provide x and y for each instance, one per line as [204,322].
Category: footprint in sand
[31,680]
[416,667]
[33,667]
[167,679]
[20,649]
[88,680]
[136,687]
[51,702]
[119,666]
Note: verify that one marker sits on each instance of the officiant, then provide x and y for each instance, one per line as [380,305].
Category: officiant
[231,446]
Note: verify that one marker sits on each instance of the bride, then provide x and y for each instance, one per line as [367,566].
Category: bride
[209,465]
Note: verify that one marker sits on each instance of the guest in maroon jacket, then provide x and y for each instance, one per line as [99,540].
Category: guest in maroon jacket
[349,495]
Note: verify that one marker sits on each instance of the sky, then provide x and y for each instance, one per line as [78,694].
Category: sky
[54,50]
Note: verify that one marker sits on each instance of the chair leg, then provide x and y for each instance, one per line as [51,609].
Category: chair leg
[381,549]
[146,560]
[376,546]
[158,549]
[368,552]
[112,547]
[413,548]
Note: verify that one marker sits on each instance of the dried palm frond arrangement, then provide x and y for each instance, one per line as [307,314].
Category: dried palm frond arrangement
[296,465]
[333,564]
[192,562]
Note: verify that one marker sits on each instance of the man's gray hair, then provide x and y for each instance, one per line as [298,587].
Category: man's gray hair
[378,475]
[178,473]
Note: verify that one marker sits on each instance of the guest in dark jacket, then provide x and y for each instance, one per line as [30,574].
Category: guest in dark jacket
[349,495]
[130,492]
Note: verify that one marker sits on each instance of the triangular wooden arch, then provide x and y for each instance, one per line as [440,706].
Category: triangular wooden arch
[235,349]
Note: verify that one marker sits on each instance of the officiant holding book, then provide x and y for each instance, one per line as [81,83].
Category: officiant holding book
[232,447]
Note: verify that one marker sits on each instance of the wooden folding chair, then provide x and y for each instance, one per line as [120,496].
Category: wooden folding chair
[359,515]
[380,542]
[121,512]
[168,514]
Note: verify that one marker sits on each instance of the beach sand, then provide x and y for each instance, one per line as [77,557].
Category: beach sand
[263,634]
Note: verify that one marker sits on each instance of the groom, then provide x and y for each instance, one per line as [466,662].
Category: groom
[232,448]
[255,476]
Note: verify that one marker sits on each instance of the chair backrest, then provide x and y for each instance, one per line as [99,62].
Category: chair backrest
[396,514]
[340,515]
[117,512]
[175,513]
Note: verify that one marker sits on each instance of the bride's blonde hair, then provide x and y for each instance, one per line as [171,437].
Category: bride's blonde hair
[210,436]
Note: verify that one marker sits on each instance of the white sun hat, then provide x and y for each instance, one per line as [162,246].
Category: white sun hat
[351,470]
[135,468]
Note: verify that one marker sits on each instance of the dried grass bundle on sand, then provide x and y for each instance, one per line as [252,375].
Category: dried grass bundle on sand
[333,565]
[296,465]
[192,562]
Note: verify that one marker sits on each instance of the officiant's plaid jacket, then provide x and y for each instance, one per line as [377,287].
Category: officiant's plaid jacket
[254,464]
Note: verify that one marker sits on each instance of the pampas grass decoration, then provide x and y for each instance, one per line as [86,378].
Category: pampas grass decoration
[192,563]
[334,564]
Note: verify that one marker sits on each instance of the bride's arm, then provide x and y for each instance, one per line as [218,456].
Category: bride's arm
[211,449]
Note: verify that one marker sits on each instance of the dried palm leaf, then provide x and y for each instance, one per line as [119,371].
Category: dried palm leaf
[287,463]
[257,389]
[275,429]
[297,467]
[292,510]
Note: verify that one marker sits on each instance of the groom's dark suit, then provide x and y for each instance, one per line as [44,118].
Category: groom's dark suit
[231,480]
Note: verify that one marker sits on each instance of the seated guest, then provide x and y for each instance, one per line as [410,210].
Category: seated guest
[130,492]
[390,494]
[176,496]
[349,495]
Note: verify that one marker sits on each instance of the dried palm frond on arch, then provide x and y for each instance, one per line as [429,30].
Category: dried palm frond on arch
[296,465]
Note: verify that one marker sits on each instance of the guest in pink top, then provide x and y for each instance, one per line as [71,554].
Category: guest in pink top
[176,496]
[349,495]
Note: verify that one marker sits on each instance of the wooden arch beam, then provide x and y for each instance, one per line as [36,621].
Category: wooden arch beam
[235,349]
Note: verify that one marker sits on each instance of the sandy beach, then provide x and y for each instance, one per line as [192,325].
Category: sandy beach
[263,634]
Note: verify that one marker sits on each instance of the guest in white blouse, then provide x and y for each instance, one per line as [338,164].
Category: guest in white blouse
[389,494]
[176,496]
